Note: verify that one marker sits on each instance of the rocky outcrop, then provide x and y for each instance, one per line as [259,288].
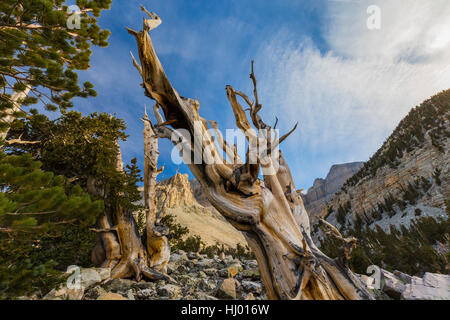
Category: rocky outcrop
[400,286]
[323,189]
[365,197]
[78,281]
[432,286]
[407,177]
[178,191]
[185,200]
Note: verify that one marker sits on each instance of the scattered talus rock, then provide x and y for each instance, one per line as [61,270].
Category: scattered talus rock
[190,207]
[78,281]
[170,291]
[323,189]
[200,279]
[392,285]
[111,296]
[432,286]
[227,289]
[399,286]
[197,277]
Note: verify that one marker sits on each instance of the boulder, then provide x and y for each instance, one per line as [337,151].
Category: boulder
[146,294]
[206,285]
[119,285]
[251,274]
[223,273]
[193,255]
[111,296]
[402,276]
[251,264]
[178,257]
[432,286]
[205,263]
[143,285]
[94,293]
[392,286]
[90,277]
[253,287]
[104,273]
[64,293]
[204,296]
[212,272]
[227,289]
[170,291]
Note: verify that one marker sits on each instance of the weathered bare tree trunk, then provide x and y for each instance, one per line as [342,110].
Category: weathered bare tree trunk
[120,245]
[270,213]
[156,241]
[16,99]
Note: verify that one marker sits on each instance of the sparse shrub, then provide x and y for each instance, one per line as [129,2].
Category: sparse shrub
[340,216]
[407,250]
[191,244]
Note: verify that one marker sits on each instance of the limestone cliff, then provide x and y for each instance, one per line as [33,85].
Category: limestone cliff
[407,177]
[323,189]
[190,208]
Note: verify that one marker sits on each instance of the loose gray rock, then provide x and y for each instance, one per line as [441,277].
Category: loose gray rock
[432,286]
[119,285]
[211,272]
[170,291]
[146,294]
[90,277]
[250,286]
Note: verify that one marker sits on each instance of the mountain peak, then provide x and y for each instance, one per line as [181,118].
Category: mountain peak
[323,189]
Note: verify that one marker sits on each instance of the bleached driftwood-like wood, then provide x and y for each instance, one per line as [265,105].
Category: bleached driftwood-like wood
[156,241]
[270,213]
[119,244]
[16,100]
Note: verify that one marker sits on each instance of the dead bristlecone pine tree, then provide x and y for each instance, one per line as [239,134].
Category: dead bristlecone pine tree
[120,245]
[269,212]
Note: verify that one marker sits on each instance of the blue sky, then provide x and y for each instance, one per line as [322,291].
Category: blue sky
[316,62]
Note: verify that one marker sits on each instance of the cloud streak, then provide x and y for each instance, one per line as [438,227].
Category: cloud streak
[350,97]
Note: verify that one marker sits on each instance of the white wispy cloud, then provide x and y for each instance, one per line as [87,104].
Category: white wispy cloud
[349,98]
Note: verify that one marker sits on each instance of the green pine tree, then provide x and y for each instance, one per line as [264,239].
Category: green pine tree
[39,54]
[35,204]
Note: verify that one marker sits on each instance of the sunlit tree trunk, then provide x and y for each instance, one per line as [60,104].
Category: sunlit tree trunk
[16,99]
[120,246]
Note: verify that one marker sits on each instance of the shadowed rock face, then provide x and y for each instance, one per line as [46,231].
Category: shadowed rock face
[324,189]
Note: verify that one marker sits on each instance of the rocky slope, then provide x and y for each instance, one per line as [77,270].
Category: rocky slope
[195,277]
[407,177]
[198,277]
[185,200]
[323,189]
